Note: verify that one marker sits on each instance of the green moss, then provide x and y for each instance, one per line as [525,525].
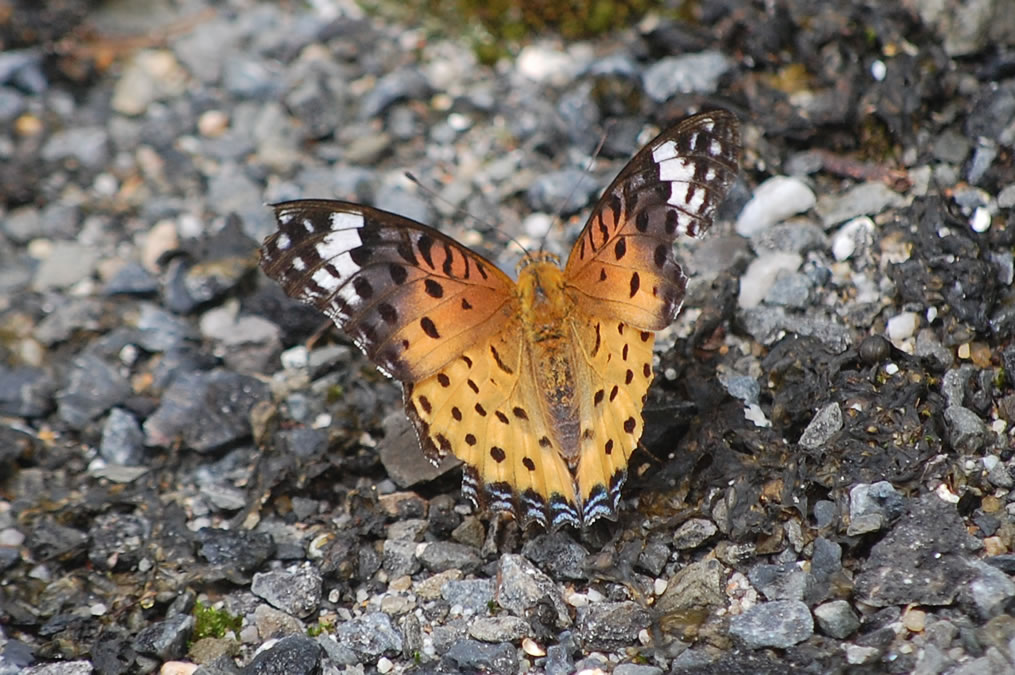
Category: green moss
[497,27]
[334,394]
[322,626]
[211,622]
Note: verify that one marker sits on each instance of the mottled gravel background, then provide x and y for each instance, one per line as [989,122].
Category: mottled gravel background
[196,475]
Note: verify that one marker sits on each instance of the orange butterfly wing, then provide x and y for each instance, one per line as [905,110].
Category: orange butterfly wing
[622,264]
[455,330]
[444,321]
[410,297]
[625,284]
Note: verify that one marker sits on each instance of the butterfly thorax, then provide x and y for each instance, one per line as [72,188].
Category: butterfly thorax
[545,310]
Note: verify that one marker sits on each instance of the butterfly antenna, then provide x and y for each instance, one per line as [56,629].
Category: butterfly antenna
[488,227]
[574,188]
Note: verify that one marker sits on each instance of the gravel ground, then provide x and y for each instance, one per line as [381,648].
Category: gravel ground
[826,484]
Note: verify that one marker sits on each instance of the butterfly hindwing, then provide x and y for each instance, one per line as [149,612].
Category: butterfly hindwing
[485,408]
[619,372]
[538,387]
[622,264]
[410,297]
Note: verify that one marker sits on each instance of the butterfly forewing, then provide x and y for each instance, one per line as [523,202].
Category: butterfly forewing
[410,297]
[537,387]
[622,264]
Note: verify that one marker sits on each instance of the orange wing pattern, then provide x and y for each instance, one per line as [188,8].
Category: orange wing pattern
[537,386]
[622,264]
[410,297]
[485,408]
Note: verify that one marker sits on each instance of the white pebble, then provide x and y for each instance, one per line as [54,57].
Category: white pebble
[384,665]
[775,200]
[659,586]
[902,326]
[850,236]
[980,221]
[761,274]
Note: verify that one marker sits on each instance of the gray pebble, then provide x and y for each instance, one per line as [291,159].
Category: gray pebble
[690,73]
[440,556]
[370,635]
[293,655]
[836,619]
[967,433]
[611,625]
[780,624]
[499,629]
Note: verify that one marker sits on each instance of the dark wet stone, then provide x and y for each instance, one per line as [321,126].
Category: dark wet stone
[161,331]
[370,635]
[207,410]
[122,440]
[26,392]
[521,586]
[780,624]
[238,551]
[118,540]
[165,639]
[113,653]
[557,553]
[297,593]
[611,625]
[396,86]
[132,279]
[474,656]
[293,655]
[93,386]
[472,594]
[50,540]
[922,559]
[439,556]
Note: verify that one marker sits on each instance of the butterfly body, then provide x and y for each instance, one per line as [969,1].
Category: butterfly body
[537,385]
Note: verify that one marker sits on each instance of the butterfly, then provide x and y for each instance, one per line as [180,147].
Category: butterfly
[538,384]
